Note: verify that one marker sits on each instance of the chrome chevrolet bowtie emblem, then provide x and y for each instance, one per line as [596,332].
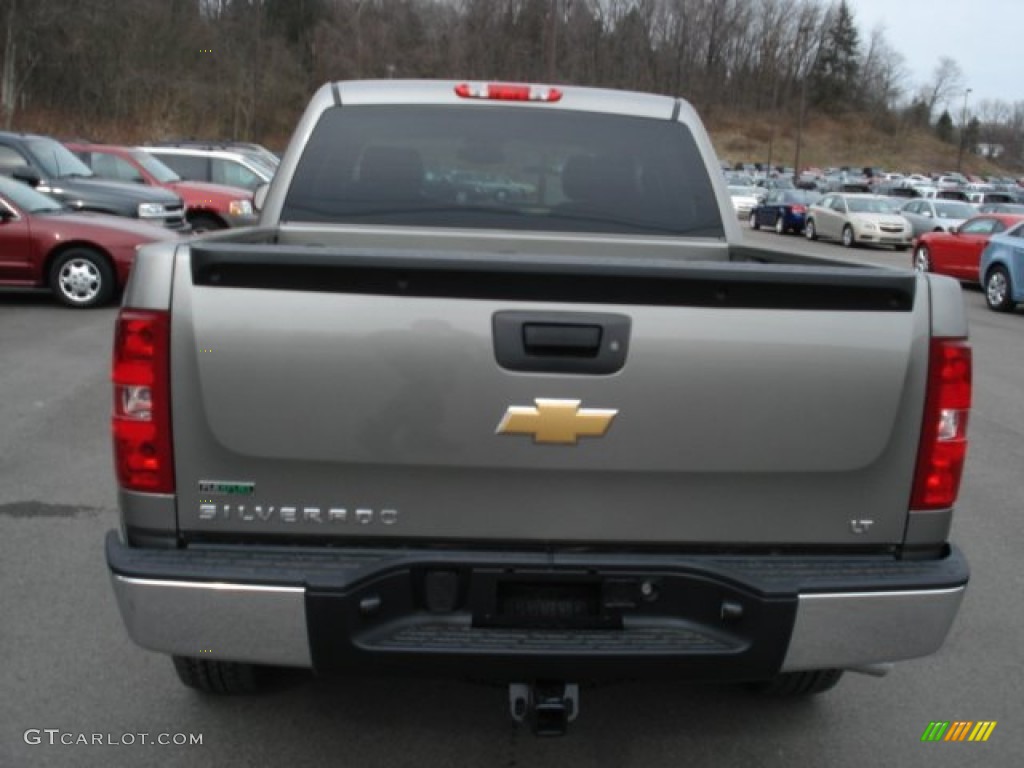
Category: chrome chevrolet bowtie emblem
[556,421]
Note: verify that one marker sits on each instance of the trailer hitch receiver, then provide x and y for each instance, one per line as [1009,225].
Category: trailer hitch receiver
[548,707]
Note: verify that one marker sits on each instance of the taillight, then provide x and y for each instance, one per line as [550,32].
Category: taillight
[142,406]
[799,209]
[940,458]
[507,92]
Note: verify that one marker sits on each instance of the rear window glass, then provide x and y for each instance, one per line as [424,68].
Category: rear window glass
[186,166]
[503,168]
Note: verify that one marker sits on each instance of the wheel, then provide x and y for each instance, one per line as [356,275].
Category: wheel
[753,221]
[82,278]
[220,677]
[922,259]
[205,223]
[809,230]
[805,683]
[780,225]
[848,240]
[998,292]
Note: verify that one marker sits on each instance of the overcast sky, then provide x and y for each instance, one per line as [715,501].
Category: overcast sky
[985,37]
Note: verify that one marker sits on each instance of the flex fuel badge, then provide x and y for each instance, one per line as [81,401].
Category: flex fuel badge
[224,488]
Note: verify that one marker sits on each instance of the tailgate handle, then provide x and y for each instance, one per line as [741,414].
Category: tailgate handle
[561,340]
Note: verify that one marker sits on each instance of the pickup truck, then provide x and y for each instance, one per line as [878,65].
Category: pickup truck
[575,432]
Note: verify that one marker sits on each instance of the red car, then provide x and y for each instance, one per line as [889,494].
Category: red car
[207,206]
[84,258]
[957,253]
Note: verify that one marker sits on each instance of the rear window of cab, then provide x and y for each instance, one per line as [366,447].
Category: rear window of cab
[499,167]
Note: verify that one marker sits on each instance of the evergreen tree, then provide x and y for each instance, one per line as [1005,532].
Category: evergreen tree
[916,115]
[835,87]
[944,127]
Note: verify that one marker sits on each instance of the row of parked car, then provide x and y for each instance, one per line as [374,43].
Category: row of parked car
[977,244]
[120,198]
[950,185]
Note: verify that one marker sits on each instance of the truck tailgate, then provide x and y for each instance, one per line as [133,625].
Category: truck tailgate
[753,404]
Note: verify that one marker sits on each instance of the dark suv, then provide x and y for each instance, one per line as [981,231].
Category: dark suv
[50,167]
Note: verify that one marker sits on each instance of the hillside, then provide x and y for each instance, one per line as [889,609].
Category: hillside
[853,141]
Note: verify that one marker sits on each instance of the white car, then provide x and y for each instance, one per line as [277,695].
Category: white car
[745,199]
[854,219]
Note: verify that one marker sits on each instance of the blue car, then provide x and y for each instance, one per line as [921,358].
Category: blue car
[1002,269]
[784,209]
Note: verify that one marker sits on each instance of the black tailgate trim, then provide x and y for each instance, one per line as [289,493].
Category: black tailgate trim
[745,284]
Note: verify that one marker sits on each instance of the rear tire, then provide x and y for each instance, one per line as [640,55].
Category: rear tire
[998,290]
[753,221]
[780,225]
[809,232]
[807,683]
[219,677]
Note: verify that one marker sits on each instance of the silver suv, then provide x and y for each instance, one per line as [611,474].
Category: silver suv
[235,168]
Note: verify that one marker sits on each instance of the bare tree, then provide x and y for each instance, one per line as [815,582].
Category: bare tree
[947,81]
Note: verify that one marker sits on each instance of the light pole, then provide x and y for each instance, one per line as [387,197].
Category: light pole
[963,132]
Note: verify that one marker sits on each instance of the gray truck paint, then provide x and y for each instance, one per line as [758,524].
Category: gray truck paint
[768,431]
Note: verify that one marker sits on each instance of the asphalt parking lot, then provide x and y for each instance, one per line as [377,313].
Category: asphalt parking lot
[69,667]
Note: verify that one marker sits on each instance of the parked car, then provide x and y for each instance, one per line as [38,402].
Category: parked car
[745,199]
[783,209]
[48,165]
[895,190]
[811,179]
[847,180]
[924,189]
[1001,208]
[951,181]
[220,166]
[738,179]
[1002,269]
[936,215]
[984,198]
[857,218]
[958,253]
[83,258]
[257,151]
[207,206]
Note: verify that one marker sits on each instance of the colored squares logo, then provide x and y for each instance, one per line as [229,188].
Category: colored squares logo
[958,730]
